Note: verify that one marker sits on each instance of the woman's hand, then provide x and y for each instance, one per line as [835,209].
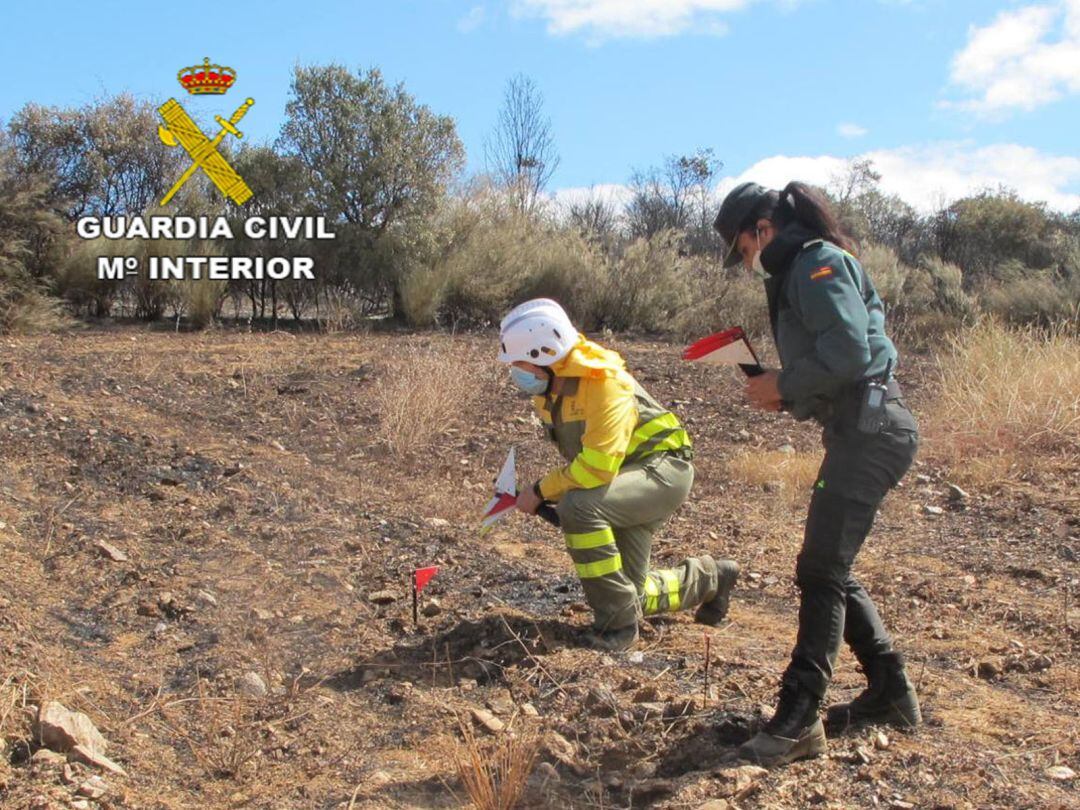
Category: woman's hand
[528,501]
[763,391]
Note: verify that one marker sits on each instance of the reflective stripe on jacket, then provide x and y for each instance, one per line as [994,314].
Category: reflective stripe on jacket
[600,420]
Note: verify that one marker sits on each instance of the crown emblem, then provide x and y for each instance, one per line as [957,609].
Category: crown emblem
[206,78]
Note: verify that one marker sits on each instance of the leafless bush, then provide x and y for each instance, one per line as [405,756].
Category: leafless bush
[495,773]
[793,473]
[429,387]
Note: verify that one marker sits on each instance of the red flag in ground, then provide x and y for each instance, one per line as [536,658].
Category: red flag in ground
[422,576]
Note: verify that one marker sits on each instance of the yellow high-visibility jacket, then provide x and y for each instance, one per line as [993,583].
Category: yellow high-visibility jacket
[600,420]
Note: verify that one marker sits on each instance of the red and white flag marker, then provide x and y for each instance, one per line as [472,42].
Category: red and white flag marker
[728,348]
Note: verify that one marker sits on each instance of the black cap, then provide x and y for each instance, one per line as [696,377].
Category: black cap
[735,210]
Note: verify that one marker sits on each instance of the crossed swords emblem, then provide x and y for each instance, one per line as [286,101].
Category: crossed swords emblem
[180,130]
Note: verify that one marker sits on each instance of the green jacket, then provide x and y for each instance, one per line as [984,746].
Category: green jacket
[827,319]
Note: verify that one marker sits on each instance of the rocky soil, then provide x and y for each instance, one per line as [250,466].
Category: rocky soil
[206,543]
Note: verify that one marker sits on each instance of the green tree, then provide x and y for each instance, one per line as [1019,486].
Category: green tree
[104,159]
[375,161]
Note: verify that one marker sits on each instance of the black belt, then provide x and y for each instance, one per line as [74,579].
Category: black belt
[845,405]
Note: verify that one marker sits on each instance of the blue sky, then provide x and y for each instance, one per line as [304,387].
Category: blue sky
[946,96]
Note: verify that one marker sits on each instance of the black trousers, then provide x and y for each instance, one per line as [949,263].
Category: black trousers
[857,472]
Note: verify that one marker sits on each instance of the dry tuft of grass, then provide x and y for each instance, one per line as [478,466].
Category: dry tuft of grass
[495,773]
[1009,399]
[792,473]
[430,387]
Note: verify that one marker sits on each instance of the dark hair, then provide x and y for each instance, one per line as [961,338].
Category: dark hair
[805,205]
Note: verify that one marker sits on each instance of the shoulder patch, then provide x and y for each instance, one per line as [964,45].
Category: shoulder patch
[821,272]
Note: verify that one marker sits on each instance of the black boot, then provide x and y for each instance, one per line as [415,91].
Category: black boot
[889,698]
[794,732]
[714,611]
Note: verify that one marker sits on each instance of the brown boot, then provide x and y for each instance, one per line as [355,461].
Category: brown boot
[794,732]
[618,640]
[714,611]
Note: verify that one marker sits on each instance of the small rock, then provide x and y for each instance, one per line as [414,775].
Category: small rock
[262,614]
[647,694]
[529,710]
[502,702]
[60,729]
[438,523]
[933,511]
[252,685]
[601,702]
[881,741]
[488,721]
[93,788]
[44,756]
[382,597]
[95,759]
[786,449]
[546,772]
[1060,773]
[432,608]
[277,445]
[900,804]
[160,629]
[71,772]
[110,551]
[956,493]
[988,669]
[557,747]
[207,598]
[1040,663]
[923,478]
[466,684]
[714,804]
[636,657]
[80,804]
[399,692]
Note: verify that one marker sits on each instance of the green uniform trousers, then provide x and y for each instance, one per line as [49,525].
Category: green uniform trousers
[609,533]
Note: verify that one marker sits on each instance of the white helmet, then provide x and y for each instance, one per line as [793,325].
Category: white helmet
[538,331]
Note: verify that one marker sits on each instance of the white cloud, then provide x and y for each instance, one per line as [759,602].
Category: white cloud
[471,21]
[1024,59]
[849,130]
[644,19]
[924,176]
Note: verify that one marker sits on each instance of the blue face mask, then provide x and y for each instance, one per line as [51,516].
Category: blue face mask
[529,382]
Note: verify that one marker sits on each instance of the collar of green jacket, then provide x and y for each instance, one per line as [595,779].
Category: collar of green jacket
[588,359]
[777,256]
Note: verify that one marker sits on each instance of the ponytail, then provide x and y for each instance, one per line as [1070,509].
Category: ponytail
[809,207]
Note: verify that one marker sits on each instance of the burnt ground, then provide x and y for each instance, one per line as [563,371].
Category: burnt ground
[263,500]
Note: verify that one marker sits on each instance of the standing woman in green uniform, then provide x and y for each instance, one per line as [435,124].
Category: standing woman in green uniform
[829,326]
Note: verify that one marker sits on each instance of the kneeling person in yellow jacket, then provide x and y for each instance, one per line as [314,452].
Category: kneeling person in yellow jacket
[629,468]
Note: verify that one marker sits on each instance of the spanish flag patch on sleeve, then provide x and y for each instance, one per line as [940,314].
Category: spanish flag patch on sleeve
[821,272]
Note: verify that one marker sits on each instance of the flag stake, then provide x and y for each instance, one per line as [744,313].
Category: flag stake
[707,661]
[415,604]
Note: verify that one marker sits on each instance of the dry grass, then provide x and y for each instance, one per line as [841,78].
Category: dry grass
[496,773]
[429,387]
[793,473]
[1009,399]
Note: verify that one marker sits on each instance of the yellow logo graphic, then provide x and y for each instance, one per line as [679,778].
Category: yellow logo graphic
[206,78]
[180,130]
